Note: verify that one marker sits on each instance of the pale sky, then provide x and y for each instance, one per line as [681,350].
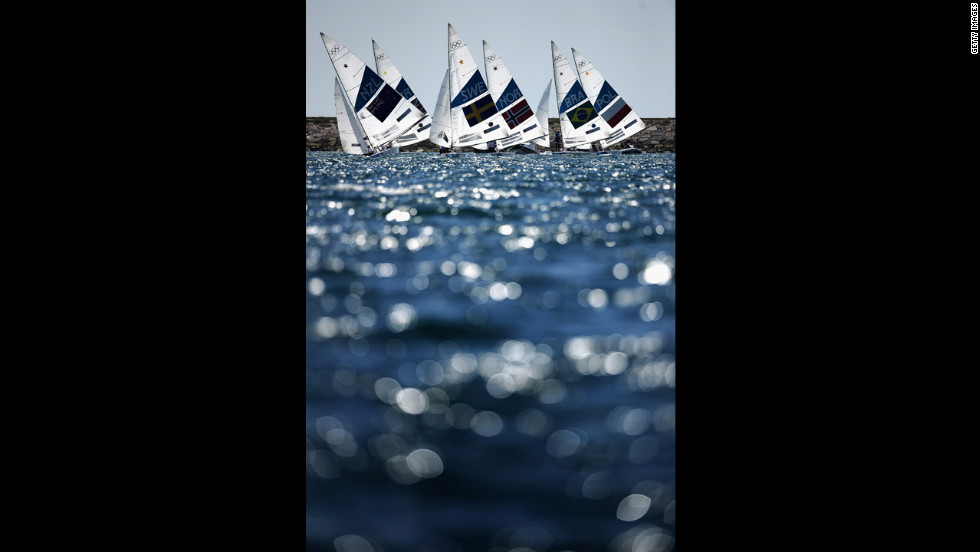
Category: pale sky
[631,42]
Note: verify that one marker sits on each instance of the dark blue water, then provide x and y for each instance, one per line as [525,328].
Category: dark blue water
[490,352]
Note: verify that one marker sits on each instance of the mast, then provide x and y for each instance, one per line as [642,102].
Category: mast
[453,144]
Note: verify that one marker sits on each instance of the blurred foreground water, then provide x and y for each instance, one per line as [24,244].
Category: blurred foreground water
[490,353]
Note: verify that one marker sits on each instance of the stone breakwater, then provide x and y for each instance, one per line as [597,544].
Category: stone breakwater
[658,136]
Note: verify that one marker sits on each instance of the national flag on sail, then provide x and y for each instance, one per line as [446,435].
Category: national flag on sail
[582,114]
[418,104]
[616,112]
[384,103]
[479,110]
[518,114]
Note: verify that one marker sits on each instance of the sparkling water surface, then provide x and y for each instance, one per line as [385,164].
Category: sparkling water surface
[490,352]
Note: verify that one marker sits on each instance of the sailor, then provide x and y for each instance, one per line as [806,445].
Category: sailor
[557,140]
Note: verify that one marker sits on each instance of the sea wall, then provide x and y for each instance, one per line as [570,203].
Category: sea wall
[322,135]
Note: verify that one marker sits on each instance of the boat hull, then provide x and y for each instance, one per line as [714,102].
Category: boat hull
[385,152]
[626,151]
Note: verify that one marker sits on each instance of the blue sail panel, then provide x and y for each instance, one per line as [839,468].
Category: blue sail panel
[404,89]
[510,95]
[575,95]
[605,97]
[473,89]
[370,85]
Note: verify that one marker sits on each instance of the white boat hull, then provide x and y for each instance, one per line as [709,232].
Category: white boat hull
[385,152]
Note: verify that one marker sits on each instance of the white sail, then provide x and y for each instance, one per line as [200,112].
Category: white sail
[391,75]
[622,121]
[442,131]
[577,117]
[542,115]
[379,109]
[510,102]
[476,118]
[350,140]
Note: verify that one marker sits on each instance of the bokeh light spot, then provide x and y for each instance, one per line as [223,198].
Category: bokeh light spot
[656,272]
[424,463]
[411,401]
[401,317]
[633,507]
[565,442]
[486,423]
[316,286]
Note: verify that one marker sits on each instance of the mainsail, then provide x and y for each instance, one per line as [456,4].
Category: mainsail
[622,121]
[350,139]
[380,111]
[577,116]
[542,115]
[510,102]
[475,117]
[391,75]
[442,131]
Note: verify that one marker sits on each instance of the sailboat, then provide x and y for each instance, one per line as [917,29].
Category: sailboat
[576,114]
[381,114]
[542,116]
[350,141]
[622,121]
[541,144]
[522,125]
[473,117]
[391,75]
[443,133]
